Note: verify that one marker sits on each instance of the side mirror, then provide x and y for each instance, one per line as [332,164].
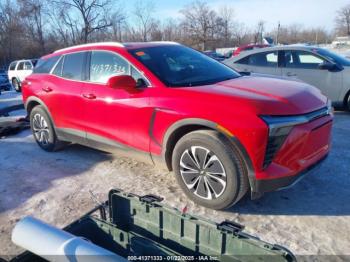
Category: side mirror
[122,82]
[328,66]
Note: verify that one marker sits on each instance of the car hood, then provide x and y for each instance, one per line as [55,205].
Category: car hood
[271,96]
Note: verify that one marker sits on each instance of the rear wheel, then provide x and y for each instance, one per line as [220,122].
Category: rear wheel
[43,130]
[16,85]
[209,169]
[348,103]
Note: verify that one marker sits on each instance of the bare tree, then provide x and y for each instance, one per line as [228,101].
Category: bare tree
[226,15]
[259,31]
[198,22]
[343,20]
[118,20]
[240,34]
[32,12]
[93,16]
[143,11]
[11,32]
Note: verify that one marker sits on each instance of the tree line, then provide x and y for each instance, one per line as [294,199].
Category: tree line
[32,28]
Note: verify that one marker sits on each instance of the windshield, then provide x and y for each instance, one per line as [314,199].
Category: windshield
[179,66]
[334,57]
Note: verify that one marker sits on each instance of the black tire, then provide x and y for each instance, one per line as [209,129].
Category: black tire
[348,103]
[229,165]
[16,85]
[43,130]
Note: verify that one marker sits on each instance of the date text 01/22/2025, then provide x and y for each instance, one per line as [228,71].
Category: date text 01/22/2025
[172,258]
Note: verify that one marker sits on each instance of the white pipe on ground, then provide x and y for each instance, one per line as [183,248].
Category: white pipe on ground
[54,244]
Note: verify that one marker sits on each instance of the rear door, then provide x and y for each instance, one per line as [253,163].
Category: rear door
[20,71]
[63,91]
[263,63]
[27,70]
[304,65]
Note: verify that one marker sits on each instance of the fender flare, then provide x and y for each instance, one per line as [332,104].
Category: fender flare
[211,125]
[40,102]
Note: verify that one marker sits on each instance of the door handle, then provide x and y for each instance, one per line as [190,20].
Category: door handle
[89,96]
[291,74]
[47,89]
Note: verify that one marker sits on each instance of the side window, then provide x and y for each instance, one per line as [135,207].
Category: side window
[105,64]
[303,60]
[267,59]
[73,66]
[244,60]
[20,66]
[12,66]
[58,68]
[44,66]
[28,66]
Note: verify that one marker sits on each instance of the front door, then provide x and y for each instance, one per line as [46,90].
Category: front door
[115,117]
[304,65]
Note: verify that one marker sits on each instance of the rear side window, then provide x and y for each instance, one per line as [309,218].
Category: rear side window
[266,59]
[20,66]
[44,66]
[244,60]
[58,69]
[28,66]
[12,66]
[73,66]
[105,64]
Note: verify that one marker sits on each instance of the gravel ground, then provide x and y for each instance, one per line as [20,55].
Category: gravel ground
[312,218]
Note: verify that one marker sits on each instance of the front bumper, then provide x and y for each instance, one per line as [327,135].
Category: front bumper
[268,185]
[306,146]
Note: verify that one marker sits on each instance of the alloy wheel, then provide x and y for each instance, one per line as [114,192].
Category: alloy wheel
[203,173]
[41,129]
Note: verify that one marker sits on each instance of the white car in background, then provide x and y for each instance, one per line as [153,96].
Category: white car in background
[19,70]
[319,67]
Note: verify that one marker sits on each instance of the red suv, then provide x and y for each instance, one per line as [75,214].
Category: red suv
[220,132]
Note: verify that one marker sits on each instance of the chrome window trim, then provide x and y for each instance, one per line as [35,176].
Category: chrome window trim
[150,85]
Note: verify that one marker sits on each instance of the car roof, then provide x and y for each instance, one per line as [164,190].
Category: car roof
[23,60]
[274,48]
[129,45]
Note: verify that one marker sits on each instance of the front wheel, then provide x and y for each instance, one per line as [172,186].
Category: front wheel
[209,169]
[16,85]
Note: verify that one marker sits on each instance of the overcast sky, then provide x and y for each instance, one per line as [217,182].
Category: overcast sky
[309,13]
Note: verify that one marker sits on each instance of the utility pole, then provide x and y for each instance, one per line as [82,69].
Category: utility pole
[278,32]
